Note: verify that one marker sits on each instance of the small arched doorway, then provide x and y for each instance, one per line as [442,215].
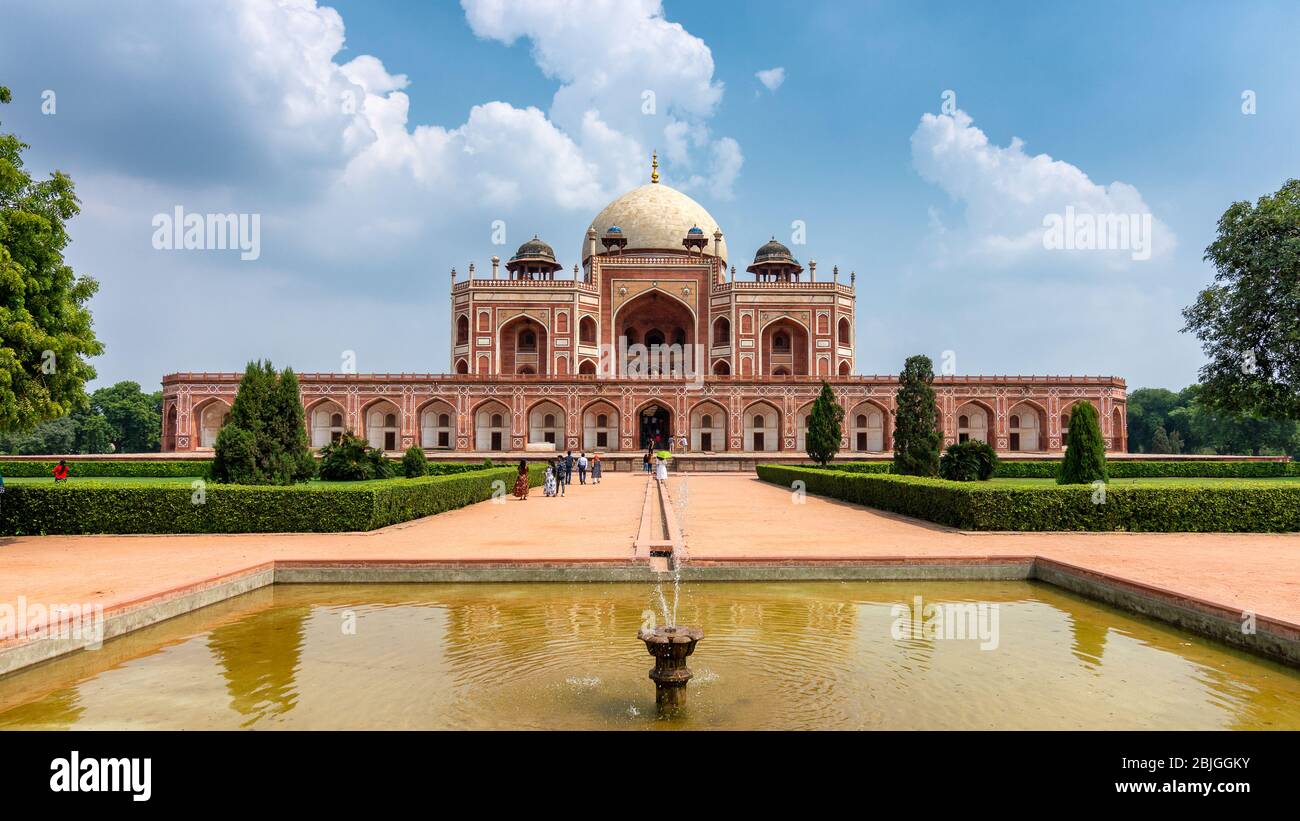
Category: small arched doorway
[654,426]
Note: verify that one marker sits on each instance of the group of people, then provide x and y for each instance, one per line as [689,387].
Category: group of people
[559,474]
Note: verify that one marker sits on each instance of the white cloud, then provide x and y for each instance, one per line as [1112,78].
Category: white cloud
[1008,195]
[772,78]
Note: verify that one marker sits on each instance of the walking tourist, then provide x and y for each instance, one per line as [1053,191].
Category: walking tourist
[645,462]
[595,471]
[661,466]
[582,468]
[61,471]
[548,489]
[521,480]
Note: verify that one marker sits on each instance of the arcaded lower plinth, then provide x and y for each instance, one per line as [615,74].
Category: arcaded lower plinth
[670,646]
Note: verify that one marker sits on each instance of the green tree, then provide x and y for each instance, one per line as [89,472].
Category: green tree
[134,416]
[1160,440]
[413,462]
[350,458]
[45,326]
[1085,451]
[265,441]
[825,427]
[1247,320]
[916,423]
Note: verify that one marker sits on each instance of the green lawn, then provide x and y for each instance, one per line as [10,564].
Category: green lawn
[1280,481]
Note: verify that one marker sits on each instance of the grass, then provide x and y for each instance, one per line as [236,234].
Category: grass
[1281,481]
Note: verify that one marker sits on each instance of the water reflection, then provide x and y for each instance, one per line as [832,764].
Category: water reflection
[775,655]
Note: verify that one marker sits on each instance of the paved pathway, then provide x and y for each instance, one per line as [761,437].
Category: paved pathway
[723,517]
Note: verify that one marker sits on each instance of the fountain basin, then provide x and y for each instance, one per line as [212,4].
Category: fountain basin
[670,646]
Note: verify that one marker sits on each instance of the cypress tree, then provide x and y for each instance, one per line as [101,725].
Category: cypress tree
[265,441]
[822,438]
[916,423]
[1085,452]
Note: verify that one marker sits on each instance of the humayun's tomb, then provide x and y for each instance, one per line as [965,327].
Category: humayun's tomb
[536,359]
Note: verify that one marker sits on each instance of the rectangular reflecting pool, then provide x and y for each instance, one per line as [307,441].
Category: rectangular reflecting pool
[797,655]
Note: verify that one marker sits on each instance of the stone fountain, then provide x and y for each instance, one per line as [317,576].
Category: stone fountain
[670,646]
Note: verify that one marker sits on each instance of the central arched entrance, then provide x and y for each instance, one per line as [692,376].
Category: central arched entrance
[654,426]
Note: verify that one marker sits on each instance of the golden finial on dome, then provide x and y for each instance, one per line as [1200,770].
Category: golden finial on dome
[654,166]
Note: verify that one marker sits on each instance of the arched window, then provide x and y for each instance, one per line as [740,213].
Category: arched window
[587,331]
[549,420]
[655,337]
[527,340]
[781,342]
[722,331]
[462,366]
[496,420]
[462,330]
[679,336]
[846,331]
[721,368]
[758,421]
[336,420]
[706,421]
[602,420]
[781,371]
[844,368]
[630,333]
[963,421]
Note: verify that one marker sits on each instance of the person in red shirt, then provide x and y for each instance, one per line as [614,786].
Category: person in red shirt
[61,471]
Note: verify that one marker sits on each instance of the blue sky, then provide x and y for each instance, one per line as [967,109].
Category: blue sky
[530,112]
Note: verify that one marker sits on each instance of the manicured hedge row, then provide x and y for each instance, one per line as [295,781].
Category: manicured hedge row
[1118,469]
[104,467]
[981,506]
[171,468]
[97,508]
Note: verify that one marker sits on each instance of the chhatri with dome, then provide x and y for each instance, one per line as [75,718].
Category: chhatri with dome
[543,359]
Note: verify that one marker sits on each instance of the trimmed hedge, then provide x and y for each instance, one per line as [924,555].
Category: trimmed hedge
[1116,469]
[168,468]
[91,508]
[96,468]
[1172,508]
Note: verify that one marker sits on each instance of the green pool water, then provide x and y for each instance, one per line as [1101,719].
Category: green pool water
[814,655]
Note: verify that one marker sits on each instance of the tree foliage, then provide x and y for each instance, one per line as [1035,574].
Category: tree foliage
[1248,320]
[1085,450]
[1161,421]
[413,462]
[825,427]
[916,425]
[265,440]
[969,461]
[45,326]
[121,418]
[350,459]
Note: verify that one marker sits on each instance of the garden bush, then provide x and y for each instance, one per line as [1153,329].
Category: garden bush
[1170,508]
[1085,451]
[414,464]
[222,508]
[969,461]
[350,459]
[15,468]
[1049,468]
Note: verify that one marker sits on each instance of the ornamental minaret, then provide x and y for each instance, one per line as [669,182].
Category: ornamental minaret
[654,166]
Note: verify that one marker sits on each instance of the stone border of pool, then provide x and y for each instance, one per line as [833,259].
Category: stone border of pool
[1273,638]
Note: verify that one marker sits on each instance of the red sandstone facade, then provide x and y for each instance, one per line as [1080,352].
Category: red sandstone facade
[539,362]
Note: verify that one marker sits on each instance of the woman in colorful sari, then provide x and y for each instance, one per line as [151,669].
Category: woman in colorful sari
[521,481]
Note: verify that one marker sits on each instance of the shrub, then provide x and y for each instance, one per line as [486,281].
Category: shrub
[1120,469]
[822,439]
[104,467]
[1085,451]
[350,458]
[265,441]
[91,508]
[414,464]
[1172,508]
[968,461]
[916,422]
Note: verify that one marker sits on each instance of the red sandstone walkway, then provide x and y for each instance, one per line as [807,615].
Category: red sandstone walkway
[723,516]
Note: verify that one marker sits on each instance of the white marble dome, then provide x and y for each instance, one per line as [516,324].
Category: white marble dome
[655,217]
